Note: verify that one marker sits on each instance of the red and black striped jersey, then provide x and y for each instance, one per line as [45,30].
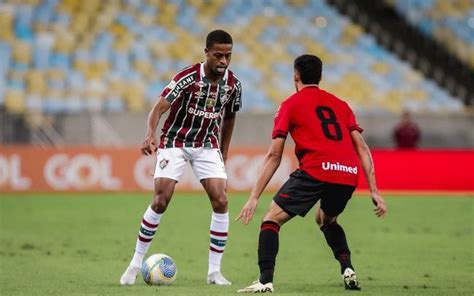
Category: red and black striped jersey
[197,107]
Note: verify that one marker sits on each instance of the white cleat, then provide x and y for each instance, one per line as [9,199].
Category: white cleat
[216,278]
[130,275]
[257,287]
[350,280]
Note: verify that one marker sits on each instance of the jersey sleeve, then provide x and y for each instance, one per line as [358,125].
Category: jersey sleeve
[176,86]
[352,124]
[282,122]
[236,97]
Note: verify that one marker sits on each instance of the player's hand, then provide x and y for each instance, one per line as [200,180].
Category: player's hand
[247,211]
[149,145]
[379,202]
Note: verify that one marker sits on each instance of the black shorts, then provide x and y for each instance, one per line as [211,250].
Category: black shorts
[301,192]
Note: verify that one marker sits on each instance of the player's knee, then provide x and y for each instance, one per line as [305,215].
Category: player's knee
[219,203]
[160,203]
[327,222]
[319,221]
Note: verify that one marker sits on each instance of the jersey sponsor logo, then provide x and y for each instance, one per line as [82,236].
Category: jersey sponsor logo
[201,84]
[328,166]
[202,113]
[11,173]
[199,94]
[181,84]
[98,167]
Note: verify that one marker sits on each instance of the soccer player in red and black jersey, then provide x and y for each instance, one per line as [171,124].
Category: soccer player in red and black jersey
[329,146]
[203,100]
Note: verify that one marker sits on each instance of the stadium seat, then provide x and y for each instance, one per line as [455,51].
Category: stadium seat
[100,46]
[449,22]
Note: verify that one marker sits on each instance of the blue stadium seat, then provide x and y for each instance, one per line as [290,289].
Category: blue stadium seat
[145,44]
[446,21]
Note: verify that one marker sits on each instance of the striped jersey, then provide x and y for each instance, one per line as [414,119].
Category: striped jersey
[197,107]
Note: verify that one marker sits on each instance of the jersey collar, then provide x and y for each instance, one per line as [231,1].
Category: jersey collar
[203,74]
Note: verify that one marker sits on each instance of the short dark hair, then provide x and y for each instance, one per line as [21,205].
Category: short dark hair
[218,37]
[310,68]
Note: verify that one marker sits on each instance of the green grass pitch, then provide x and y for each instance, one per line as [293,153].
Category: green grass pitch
[79,244]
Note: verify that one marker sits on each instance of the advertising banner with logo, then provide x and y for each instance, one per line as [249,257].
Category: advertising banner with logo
[26,168]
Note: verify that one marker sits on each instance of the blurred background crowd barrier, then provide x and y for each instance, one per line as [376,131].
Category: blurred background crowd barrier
[124,169]
[86,72]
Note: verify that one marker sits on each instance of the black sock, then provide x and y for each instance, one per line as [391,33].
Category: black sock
[267,250]
[336,239]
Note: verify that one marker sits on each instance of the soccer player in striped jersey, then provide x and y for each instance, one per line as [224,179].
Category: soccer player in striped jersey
[329,147]
[202,100]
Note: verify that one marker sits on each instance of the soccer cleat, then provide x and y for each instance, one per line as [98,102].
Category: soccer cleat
[257,287]
[350,280]
[130,275]
[216,278]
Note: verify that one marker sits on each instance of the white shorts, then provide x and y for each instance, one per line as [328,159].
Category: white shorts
[206,163]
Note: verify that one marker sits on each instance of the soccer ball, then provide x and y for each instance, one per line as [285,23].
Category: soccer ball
[159,269]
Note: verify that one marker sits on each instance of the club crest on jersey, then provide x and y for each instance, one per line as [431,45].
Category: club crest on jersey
[163,163]
[224,98]
[223,92]
[210,102]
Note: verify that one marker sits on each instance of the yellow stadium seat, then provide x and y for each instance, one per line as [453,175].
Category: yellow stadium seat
[144,67]
[417,95]
[81,66]
[297,3]
[350,34]
[117,29]
[15,101]
[65,43]
[36,82]
[22,52]
[134,96]
[6,27]
[381,68]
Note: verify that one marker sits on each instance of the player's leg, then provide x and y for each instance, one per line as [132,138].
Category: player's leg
[164,189]
[268,241]
[296,197]
[219,228]
[209,169]
[332,205]
[335,237]
[268,245]
[169,168]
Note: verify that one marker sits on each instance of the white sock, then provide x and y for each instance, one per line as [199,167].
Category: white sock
[148,227]
[218,233]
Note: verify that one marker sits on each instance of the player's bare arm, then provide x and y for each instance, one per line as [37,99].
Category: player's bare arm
[226,131]
[149,145]
[270,165]
[367,163]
